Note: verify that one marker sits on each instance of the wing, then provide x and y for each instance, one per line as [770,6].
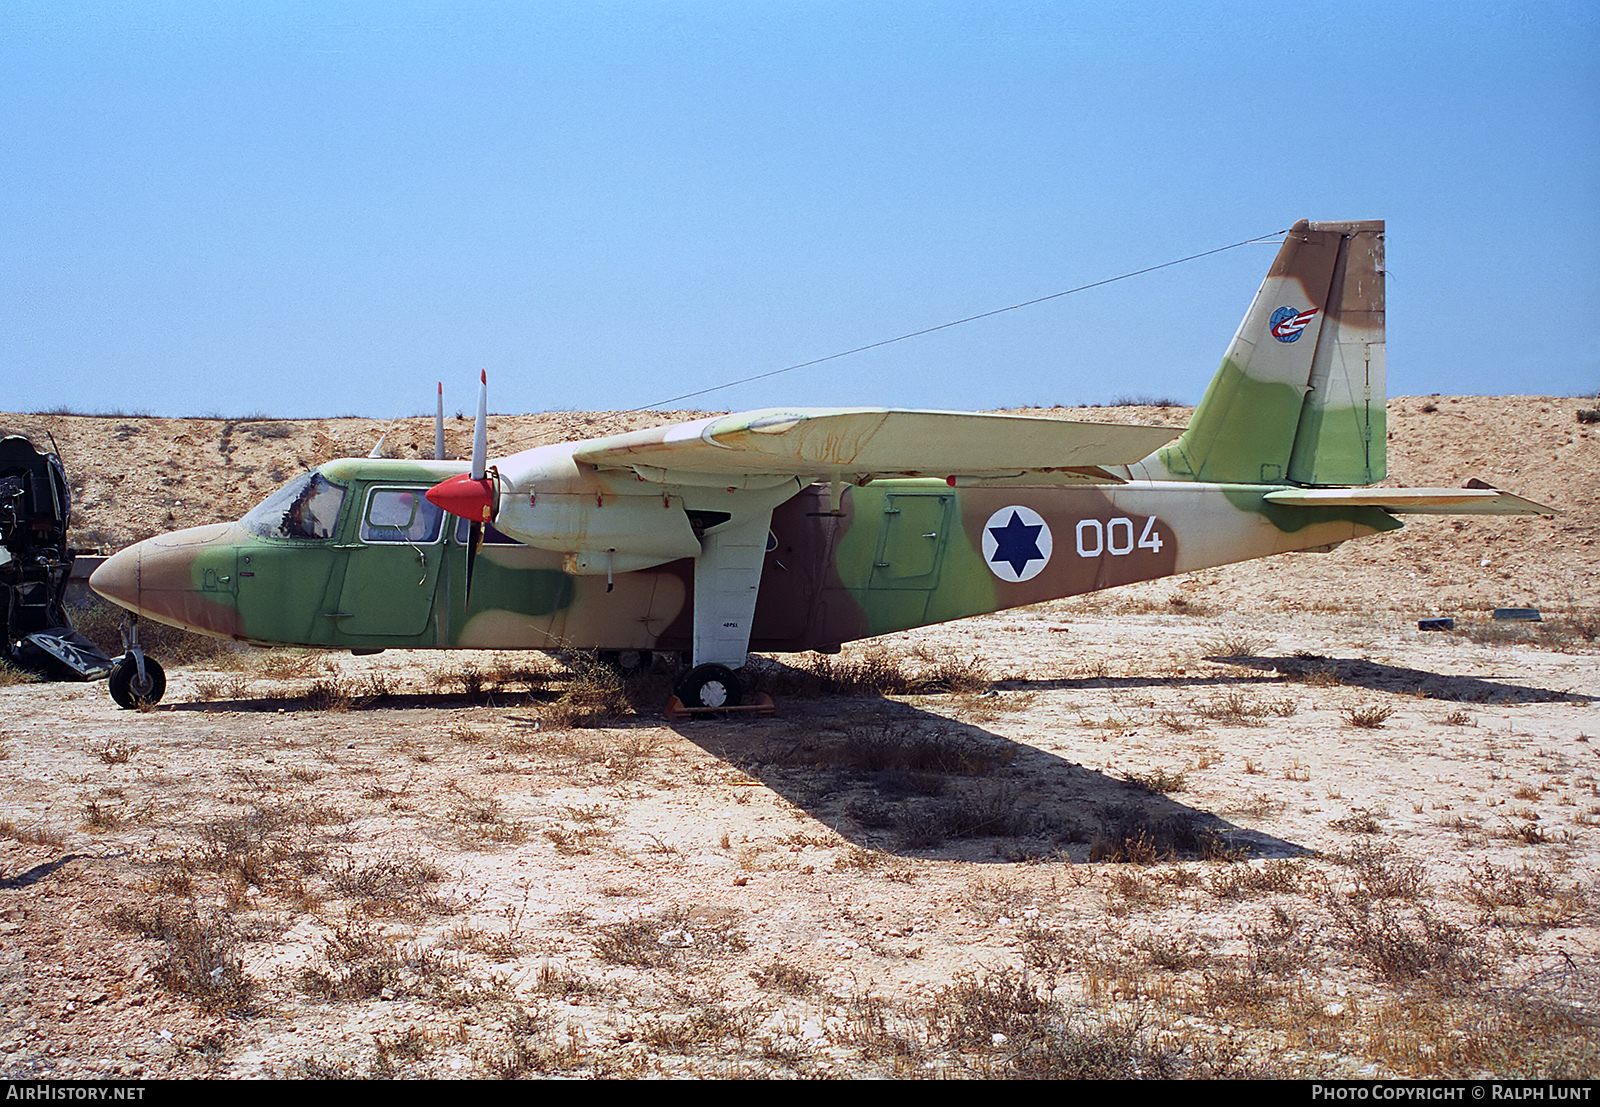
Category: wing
[1415,501]
[858,444]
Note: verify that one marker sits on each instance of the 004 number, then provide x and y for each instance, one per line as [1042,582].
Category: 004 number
[1115,536]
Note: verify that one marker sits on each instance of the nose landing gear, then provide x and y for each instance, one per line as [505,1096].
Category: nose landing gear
[136,680]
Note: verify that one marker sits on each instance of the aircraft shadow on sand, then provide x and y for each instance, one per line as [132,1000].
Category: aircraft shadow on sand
[356,700]
[40,871]
[1218,679]
[893,778]
[1358,673]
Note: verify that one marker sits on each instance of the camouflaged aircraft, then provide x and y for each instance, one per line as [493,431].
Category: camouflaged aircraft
[795,529]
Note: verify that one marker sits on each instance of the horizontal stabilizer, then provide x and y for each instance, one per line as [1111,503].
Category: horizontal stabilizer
[861,443]
[1415,501]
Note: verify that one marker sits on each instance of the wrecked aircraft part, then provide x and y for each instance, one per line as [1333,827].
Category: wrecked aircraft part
[35,563]
[1518,615]
[61,654]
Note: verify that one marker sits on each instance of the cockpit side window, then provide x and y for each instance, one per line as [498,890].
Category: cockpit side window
[400,515]
[305,508]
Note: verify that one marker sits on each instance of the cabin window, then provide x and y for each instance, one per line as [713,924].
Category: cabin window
[491,535]
[400,515]
[305,508]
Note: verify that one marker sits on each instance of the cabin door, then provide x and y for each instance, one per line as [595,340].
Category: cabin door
[390,575]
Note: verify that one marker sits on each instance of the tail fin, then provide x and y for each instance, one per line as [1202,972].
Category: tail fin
[1300,395]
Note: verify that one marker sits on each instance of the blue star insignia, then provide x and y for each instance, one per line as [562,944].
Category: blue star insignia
[1016,543]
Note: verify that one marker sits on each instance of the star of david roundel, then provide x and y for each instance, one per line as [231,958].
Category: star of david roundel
[1016,544]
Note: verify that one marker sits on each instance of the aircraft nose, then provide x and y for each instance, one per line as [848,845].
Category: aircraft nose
[184,579]
[117,578]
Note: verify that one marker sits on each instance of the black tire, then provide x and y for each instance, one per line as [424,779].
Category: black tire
[125,676]
[626,662]
[711,686]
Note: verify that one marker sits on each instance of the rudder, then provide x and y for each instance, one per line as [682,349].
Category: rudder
[1300,395]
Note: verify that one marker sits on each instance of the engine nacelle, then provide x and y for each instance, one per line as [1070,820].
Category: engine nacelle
[629,532]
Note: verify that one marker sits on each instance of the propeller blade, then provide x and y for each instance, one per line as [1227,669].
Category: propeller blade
[438,426]
[474,541]
[480,430]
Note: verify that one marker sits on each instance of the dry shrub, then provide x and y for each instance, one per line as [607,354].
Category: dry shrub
[1159,781]
[1236,988]
[290,664]
[596,696]
[1000,1024]
[115,751]
[1312,669]
[99,816]
[1240,881]
[267,849]
[1400,949]
[33,835]
[482,821]
[786,977]
[1361,820]
[948,671]
[387,885]
[233,687]
[677,936]
[335,693]
[1174,953]
[1183,605]
[10,674]
[928,824]
[1382,872]
[871,671]
[508,672]
[1234,709]
[1524,897]
[199,958]
[531,1046]
[360,963]
[877,749]
[1133,834]
[969,1013]
[1234,644]
[1369,716]
[709,1024]
[1562,632]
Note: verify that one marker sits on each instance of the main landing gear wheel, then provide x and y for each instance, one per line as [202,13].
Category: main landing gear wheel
[710,686]
[626,662]
[131,692]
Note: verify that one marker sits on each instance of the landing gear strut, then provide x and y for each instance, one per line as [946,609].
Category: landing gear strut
[136,680]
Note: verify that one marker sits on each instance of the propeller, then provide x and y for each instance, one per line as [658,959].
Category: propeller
[471,496]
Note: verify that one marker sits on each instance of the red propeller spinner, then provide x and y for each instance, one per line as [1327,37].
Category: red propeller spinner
[472,500]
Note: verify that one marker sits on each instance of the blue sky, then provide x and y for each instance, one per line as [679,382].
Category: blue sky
[322,208]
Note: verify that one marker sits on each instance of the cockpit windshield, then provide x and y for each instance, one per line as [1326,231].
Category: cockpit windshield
[305,508]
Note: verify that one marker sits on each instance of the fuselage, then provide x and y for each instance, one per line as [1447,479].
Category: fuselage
[353,557]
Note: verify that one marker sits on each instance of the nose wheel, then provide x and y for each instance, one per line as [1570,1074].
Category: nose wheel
[133,689]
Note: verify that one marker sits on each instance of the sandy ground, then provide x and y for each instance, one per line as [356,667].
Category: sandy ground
[1156,840]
